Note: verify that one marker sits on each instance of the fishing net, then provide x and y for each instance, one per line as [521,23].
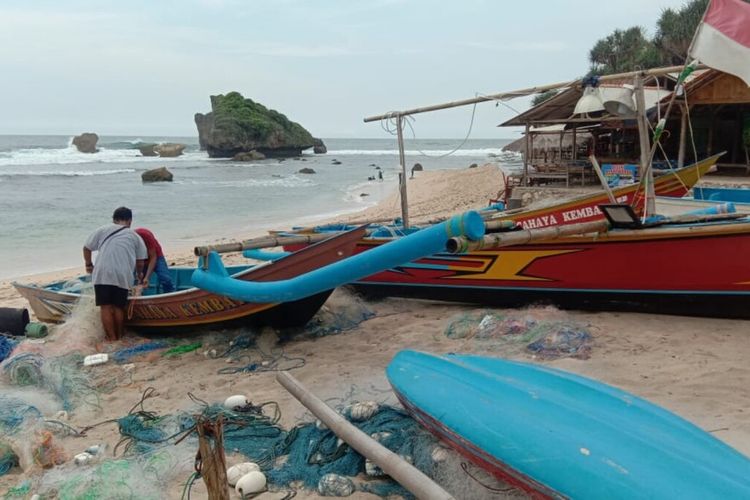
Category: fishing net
[7,344]
[59,375]
[342,312]
[535,332]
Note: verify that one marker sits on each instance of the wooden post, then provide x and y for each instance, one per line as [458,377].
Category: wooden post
[399,469]
[645,146]
[402,159]
[526,157]
[683,135]
[574,154]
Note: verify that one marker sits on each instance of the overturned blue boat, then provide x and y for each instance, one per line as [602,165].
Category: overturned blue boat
[560,435]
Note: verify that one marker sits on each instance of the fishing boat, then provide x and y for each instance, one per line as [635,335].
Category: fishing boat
[555,434]
[189,306]
[736,195]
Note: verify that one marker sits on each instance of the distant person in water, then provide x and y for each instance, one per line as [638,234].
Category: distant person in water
[380,175]
[120,252]
[156,261]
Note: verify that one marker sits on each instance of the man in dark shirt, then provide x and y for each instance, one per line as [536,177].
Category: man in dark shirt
[156,261]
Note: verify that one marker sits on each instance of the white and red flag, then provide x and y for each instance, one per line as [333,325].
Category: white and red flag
[722,40]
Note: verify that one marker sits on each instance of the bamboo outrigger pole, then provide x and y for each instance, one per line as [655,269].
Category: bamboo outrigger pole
[524,92]
[264,242]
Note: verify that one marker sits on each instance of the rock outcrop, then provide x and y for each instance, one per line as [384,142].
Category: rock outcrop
[306,171]
[319,148]
[157,175]
[169,149]
[148,149]
[249,156]
[86,142]
[239,125]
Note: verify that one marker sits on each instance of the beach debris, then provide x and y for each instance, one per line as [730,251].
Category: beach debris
[36,330]
[235,472]
[563,341]
[362,410]
[96,359]
[160,174]
[86,142]
[83,458]
[46,453]
[236,402]
[251,483]
[335,485]
[182,349]
[13,320]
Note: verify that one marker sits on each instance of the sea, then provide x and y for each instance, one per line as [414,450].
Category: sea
[52,196]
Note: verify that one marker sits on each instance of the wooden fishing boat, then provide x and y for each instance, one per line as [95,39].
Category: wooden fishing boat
[690,269]
[560,435]
[190,307]
[675,184]
[736,195]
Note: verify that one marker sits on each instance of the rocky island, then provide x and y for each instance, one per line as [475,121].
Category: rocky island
[238,125]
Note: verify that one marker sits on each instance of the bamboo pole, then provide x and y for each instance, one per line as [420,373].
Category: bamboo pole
[399,469]
[683,138]
[264,242]
[521,237]
[523,92]
[647,175]
[402,177]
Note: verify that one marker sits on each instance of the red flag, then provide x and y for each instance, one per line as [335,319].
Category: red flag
[722,40]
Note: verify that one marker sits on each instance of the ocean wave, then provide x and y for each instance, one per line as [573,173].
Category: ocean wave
[428,152]
[288,182]
[66,173]
[70,155]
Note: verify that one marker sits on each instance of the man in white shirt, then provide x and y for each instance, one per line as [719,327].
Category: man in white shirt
[120,252]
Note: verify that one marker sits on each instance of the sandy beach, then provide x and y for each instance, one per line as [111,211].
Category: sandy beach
[695,367]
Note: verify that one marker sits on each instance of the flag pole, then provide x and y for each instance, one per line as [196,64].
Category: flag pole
[687,69]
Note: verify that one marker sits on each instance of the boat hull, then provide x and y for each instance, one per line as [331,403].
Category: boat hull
[692,270]
[559,435]
[194,307]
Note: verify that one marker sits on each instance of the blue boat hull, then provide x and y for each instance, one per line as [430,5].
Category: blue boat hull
[559,435]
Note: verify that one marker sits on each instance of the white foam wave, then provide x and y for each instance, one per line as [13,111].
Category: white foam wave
[70,155]
[288,182]
[410,152]
[66,173]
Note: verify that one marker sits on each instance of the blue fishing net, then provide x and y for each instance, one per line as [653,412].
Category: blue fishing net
[14,415]
[124,355]
[7,345]
[303,454]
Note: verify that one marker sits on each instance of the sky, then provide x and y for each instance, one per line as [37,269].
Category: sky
[145,67]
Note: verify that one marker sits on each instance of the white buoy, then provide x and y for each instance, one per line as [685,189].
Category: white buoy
[236,401]
[250,483]
[235,472]
[82,458]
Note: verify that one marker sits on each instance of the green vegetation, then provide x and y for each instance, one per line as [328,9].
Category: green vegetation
[544,96]
[631,49]
[244,121]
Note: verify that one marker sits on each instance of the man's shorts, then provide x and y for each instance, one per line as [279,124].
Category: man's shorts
[110,295]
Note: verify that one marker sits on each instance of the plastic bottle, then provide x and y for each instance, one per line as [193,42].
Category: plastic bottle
[95,359]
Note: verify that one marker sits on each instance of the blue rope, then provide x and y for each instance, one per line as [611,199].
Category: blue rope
[123,355]
[7,345]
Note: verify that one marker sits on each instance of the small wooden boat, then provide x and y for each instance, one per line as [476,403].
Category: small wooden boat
[190,307]
[560,435]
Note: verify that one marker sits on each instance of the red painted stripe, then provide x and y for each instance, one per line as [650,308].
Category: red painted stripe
[732,18]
